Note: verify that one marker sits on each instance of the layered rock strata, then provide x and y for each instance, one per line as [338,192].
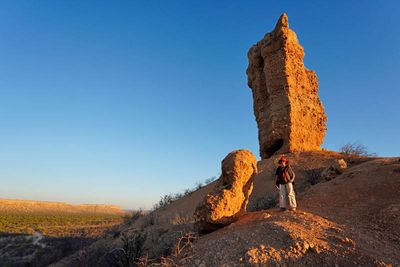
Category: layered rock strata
[289,114]
[231,194]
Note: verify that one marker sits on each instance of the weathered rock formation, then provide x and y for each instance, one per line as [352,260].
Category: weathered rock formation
[231,194]
[289,114]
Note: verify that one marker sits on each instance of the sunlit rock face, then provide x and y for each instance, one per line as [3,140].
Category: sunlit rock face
[288,111]
[229,199]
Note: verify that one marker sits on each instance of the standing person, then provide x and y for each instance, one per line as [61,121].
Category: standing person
[284,177]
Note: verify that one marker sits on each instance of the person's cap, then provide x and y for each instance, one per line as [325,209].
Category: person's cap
[283,159]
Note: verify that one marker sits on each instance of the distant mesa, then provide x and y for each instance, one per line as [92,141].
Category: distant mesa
[288,111]
[10,206]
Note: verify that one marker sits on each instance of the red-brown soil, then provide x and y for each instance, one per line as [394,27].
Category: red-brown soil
[351,220]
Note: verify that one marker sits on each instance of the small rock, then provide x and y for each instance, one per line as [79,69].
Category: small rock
[267,215]
[305,248]
[334,169]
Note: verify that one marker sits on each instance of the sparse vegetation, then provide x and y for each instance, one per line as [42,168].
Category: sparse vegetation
[181,219]
[164,201]
[26,250]
[182,249]
[29,239]
[136,215]
[77,230]
[130,252]
[168,199]
[59,225]
[199,185]
[171,244]
[149,219]
[210,180]
[355,149]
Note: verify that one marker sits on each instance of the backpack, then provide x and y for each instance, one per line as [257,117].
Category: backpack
[288,174]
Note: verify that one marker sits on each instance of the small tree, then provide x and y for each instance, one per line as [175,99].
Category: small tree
[163,202]
[198,186]
[355,149]
[130,251]
[210,180]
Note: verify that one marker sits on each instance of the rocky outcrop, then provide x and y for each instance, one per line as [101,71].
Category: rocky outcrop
[230,196]
[289,114]
[333,170]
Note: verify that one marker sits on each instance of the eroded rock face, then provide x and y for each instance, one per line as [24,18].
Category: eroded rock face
[231,194]
[289,114]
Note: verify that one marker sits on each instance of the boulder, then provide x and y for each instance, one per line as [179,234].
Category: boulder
[288,111]
[231,194]
[333,170]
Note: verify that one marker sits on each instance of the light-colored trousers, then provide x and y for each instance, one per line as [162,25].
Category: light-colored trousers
[287,199]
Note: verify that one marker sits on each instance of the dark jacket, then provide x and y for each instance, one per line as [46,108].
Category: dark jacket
[284,175]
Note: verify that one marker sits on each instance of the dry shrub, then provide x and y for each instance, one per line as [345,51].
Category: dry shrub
[198,186]
[181,219]
[163,202]
[210,180]
[150,219]
[130,251]
[184,243]
[355,149]
[182,250]
[146,261]
[167,246]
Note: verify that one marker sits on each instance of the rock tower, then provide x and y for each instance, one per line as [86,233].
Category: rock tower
[229,199]
[289,114]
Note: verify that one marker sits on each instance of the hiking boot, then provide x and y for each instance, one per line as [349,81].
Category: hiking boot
[293,209]
[282,209]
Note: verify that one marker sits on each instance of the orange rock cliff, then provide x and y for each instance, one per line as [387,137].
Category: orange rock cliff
[288,111]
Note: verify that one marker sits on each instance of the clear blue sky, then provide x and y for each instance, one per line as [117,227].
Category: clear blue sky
[123,101]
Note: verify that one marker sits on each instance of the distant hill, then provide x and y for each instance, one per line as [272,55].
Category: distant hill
[12,206]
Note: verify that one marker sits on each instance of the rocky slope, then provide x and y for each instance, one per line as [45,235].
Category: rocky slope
[348,207]
[350,220]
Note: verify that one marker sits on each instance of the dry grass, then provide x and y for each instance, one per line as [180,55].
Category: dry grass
[57,235]
[59,225]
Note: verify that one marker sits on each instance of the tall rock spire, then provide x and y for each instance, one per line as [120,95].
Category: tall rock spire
[289,114]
